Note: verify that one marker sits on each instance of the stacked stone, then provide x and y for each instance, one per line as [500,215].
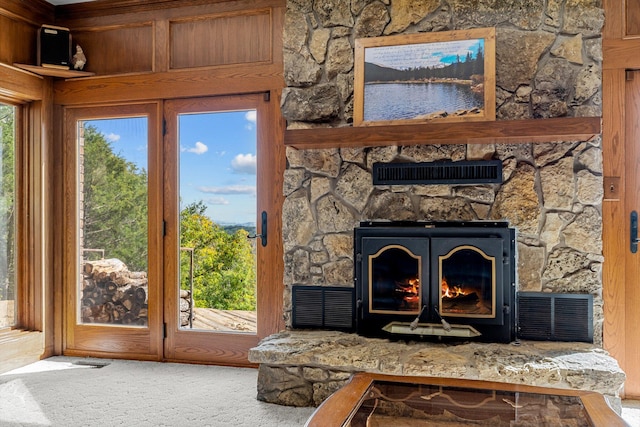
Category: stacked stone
[548,64]
[548,53]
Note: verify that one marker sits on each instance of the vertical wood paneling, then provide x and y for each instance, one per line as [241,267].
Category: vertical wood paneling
[270,181]
[161,46]
[614,19]
[632,14]
[126,49]
[18,41]
[613,292]
[221,40]
[632,203]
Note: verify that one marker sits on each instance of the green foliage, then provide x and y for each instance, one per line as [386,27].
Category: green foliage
[224,274]
[115,203]
[115,219]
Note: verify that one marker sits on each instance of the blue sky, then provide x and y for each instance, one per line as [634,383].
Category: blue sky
[217,159]
[422,54]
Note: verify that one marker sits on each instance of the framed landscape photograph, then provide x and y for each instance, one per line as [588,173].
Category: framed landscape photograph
[443,76]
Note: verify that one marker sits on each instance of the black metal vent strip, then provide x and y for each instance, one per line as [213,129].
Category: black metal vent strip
[328,307]
[465,172]
[555,317]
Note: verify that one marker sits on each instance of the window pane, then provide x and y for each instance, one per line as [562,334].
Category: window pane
[113,221]
[218,162]
[7,217]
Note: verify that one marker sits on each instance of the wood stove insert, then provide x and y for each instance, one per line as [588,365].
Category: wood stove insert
[442,280]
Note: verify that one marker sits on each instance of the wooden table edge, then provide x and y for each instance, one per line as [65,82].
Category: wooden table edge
[338,409]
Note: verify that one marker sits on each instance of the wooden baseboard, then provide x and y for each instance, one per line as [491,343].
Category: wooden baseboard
[19,348]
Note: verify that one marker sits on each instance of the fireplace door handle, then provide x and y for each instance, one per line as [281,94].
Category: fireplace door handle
[634,232]
[263,230]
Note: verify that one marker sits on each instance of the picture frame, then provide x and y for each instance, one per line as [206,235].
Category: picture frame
[444,76]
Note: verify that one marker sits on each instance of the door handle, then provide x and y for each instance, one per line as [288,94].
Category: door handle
[263,230]
[634,232]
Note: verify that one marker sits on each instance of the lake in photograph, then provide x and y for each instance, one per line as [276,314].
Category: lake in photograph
[403,101]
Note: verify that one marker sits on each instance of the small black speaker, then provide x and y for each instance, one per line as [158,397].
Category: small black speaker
[54,47]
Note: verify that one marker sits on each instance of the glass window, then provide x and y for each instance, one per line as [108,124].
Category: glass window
[113,221]
[7,217]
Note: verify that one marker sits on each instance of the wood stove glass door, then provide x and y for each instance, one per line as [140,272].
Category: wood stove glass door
[393,269]
[468,277]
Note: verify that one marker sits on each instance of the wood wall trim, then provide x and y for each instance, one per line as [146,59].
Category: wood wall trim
[621,54]
[20,85]
[125,10]
[168,85]
[33,12]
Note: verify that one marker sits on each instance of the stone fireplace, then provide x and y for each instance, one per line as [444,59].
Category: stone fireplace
[548,64]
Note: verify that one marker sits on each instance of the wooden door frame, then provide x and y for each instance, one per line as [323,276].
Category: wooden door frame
[621,52]
[101,340]
[227,348]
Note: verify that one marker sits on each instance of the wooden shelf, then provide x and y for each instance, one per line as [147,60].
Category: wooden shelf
[502,131]
[53,72]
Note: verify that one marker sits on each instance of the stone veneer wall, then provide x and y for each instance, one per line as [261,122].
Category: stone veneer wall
[548,64]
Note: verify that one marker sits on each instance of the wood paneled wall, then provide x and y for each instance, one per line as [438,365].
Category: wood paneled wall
[19,21]
[154,49]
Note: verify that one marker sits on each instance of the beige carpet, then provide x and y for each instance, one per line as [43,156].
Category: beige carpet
[67,391]
[70,392]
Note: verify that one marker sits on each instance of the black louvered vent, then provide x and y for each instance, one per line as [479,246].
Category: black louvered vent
[329,307]
[555,317]
[467,172]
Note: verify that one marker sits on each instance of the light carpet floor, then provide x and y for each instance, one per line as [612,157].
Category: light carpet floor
[69,392]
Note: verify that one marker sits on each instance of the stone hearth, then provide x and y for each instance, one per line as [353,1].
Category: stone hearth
[302,368]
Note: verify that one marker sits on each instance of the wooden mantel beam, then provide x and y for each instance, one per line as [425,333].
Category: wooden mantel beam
[502,131]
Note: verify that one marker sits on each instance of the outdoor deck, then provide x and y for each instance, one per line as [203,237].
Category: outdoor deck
[224,320]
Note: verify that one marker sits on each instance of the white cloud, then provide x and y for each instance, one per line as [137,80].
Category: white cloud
[217,201]
[198,148]
[251,116]
[244,163]
[112,137]
[230,189]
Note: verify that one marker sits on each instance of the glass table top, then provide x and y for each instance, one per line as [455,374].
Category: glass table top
[404,404]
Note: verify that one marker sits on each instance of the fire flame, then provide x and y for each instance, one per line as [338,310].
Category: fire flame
[452,291]
[410,290]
